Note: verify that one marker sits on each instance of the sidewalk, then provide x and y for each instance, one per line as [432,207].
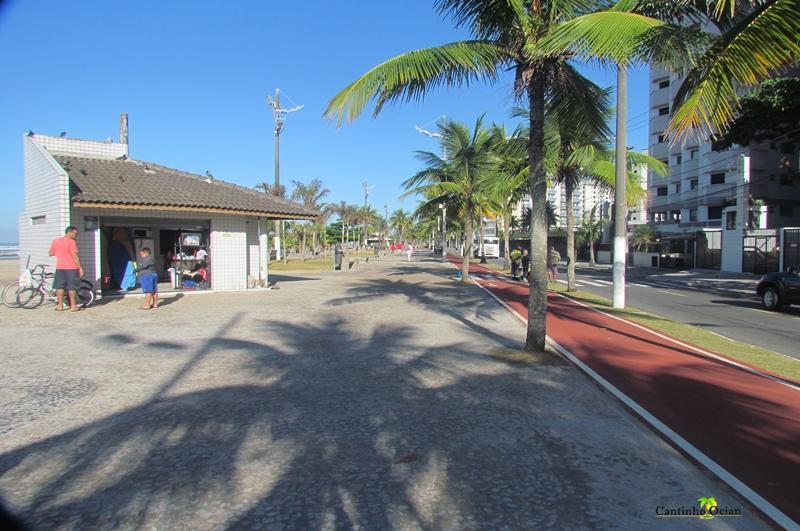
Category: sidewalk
[747,425]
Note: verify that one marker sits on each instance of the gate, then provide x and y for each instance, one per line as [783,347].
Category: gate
[760,254]
[791,248]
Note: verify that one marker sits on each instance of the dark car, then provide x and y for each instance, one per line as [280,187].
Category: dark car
[779,289]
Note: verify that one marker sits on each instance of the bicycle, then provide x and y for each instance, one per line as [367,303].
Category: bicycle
[34,295]
[9,295]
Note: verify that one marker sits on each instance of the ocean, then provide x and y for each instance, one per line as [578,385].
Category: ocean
[9,252]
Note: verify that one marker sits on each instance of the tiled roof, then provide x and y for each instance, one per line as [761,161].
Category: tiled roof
[134,183]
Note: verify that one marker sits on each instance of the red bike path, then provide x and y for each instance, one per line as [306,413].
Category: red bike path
[747,423]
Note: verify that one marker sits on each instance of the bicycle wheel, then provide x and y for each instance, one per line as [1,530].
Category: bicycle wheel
[85,296]
[30,298]
[9,296]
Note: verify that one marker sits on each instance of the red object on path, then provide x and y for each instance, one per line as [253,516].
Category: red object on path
[747,423]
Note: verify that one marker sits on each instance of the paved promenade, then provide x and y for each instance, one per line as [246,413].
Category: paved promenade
[746,422]
[382,397]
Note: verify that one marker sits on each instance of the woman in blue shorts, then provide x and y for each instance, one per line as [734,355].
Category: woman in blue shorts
[148,279]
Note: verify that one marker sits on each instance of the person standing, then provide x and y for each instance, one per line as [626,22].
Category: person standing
[69,270]
[526,264]
[553,258]
[148,278]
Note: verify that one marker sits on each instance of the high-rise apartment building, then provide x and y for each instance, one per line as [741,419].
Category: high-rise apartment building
[702,184]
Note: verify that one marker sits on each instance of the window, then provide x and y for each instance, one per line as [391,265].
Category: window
[694,153]
[661,191]
[692,214]
[663,111]
[715,212]
[787,148]
[678,159]
[786,211]
[675,216]
[718,178]
[693,183]
[730,220]
[661,138]
[664,83]
[659,217]
[38,220]
[677,188]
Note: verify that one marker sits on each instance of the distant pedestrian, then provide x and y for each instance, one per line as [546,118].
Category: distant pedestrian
[148,279]
[69,270]
[553,258]
[526,264]
[409,251]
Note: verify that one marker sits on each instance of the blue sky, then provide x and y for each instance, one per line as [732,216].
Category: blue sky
[193,77]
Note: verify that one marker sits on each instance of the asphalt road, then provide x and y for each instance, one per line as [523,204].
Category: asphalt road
[728,307]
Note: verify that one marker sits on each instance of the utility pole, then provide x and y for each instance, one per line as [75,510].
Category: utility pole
[279,114]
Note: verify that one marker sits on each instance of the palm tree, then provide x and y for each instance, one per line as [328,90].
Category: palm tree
[589,233]
[342,209]
[401,222]
[643,236]
[310,196]
[756,40]
[505,38]
[459,179]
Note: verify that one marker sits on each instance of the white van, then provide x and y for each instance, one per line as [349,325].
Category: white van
[491,247]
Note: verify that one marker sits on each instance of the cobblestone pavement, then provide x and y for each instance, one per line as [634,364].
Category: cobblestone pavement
[375,398]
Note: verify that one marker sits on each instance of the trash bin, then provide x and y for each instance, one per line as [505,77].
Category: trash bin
[338,255]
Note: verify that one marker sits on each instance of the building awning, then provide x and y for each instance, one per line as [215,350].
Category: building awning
[138,185]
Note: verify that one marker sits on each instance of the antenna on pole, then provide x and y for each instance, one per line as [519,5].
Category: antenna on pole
[279,114]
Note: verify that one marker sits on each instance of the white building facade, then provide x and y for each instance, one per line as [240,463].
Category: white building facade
[708,193]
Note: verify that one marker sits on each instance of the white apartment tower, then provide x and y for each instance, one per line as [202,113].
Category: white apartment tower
[702,184]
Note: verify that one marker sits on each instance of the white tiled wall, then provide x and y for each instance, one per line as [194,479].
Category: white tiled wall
[46,194]
[228,253]
[81,148]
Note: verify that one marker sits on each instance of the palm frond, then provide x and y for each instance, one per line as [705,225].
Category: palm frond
[410,75]
[763,42]
[612,35]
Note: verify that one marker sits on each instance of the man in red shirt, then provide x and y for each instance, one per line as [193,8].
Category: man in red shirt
[68,268]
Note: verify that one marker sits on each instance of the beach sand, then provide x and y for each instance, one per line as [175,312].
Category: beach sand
[9,271]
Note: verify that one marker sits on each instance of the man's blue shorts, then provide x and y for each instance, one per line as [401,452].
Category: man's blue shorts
[149,283]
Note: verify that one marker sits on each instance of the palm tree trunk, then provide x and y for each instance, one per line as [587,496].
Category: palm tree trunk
[591,253]
[537,300]
[313,243]
[507,240]
[303,252]
[569,191]
[467,244]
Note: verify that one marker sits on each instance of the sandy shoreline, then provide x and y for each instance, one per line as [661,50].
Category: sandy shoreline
[9,270]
